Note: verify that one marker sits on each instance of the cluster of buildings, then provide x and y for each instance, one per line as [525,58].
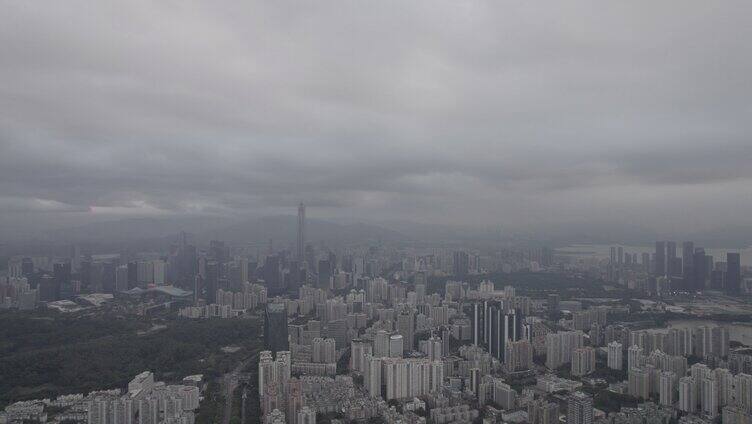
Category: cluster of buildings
[471,351]
[367,332]
[456,352]
[144,401]
[16,292]
[672,268]
[230,304]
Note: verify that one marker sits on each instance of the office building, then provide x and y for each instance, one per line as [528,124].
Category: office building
[62,273]
[503,327]
[211,281]
[699,269]
[461,263]
[671,259]
[733,273]
[660,259]
[552,302]
[275,327]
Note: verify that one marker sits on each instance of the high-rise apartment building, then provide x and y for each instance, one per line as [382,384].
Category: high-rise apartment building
[560,346]
[615,355]
[579,409]
[583,361]
[687,395]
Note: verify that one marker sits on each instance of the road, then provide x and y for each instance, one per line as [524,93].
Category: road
[229,383]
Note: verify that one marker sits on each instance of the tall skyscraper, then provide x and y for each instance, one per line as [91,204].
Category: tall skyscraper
[218,251]
[552,303]
[301,233]
[461,263]
[212,281]
[699,270]
[62,274]
[504,326]
[324,273]
[646,262]
[660,258]
[733,273]
[688,251]
[121,278]
[48,288]
[670,258]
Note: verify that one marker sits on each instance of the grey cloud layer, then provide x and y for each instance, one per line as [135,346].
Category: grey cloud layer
[441,111]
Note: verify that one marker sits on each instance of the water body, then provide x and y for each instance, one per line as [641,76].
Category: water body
[603,251]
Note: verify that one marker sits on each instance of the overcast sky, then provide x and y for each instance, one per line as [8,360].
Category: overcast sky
[511,113]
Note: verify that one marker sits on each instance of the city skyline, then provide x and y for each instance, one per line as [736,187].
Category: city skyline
[425,212]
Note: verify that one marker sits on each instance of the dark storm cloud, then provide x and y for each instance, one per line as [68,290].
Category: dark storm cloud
[437,111]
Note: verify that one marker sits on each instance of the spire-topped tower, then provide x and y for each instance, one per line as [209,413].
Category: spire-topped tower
[301,233]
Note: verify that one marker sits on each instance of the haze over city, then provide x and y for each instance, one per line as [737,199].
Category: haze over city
[413,212]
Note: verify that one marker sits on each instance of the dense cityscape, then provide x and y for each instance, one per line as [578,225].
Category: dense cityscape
[398,334]
[375,212]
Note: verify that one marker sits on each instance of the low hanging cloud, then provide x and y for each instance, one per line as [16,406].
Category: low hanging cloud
[454,112]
